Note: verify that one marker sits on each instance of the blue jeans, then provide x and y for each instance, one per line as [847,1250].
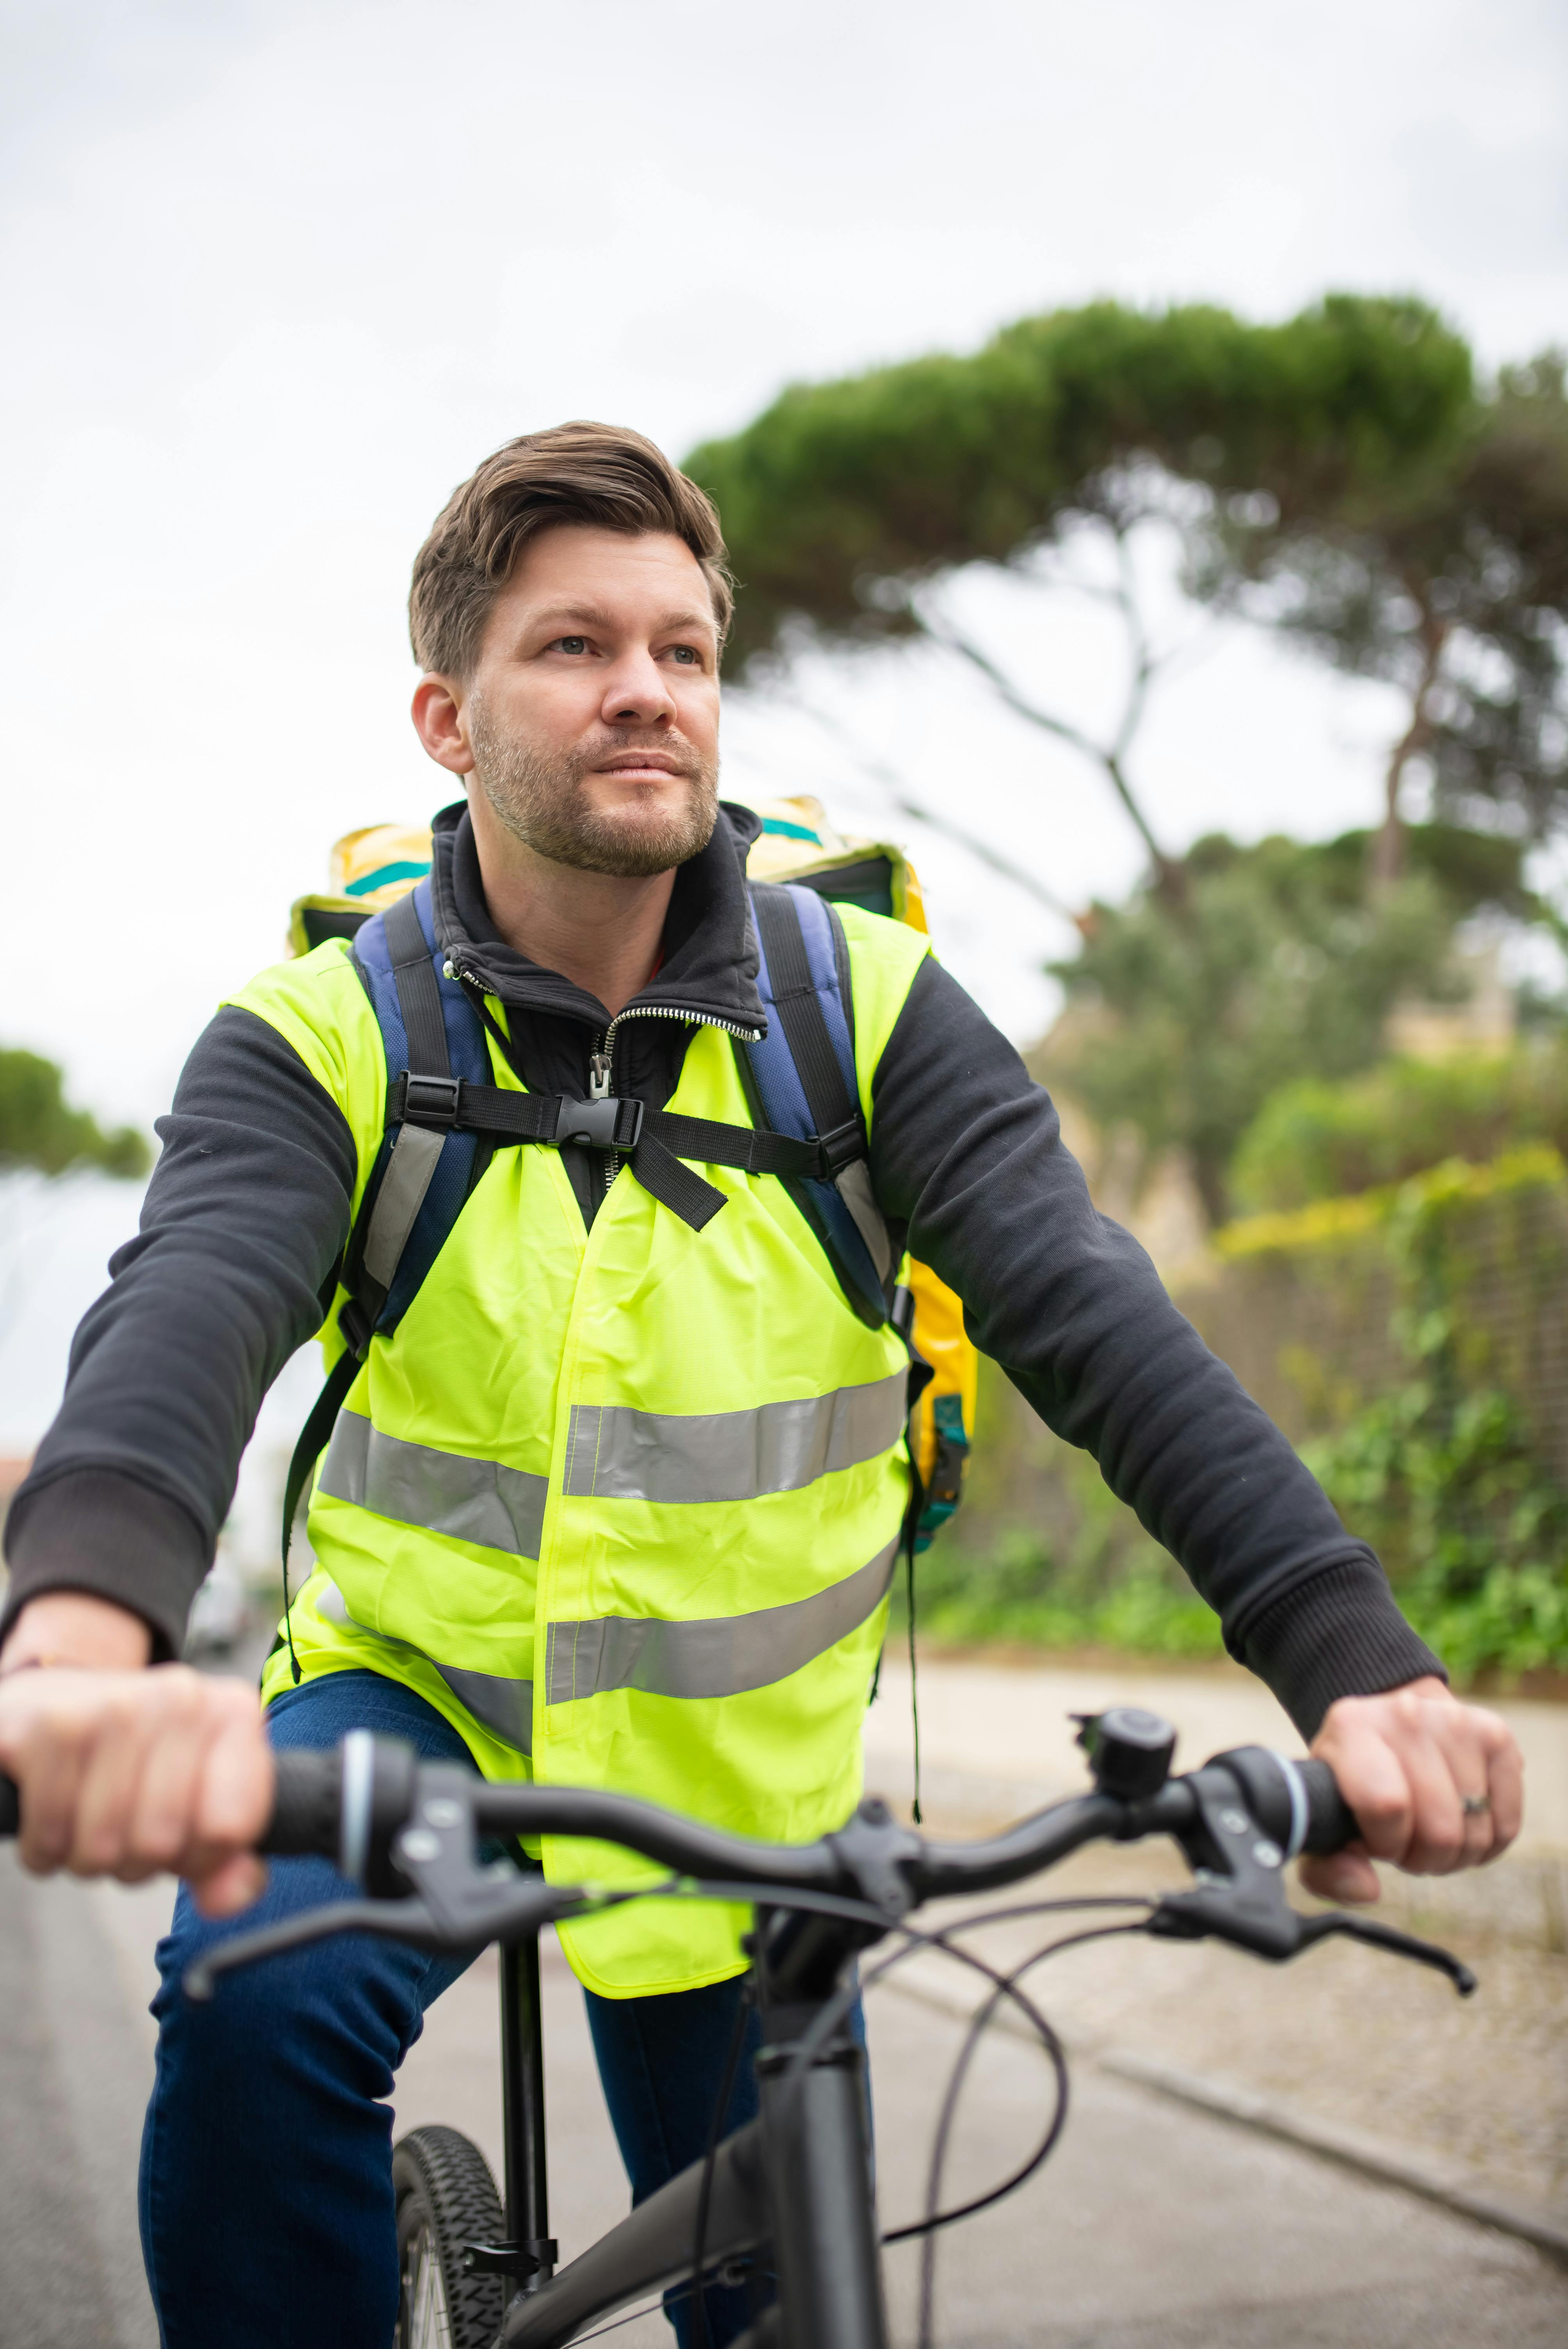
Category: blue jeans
[266,2204]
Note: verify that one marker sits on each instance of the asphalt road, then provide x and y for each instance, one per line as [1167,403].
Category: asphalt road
[1153,2224]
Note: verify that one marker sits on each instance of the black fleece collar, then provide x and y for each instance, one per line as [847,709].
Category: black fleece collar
[710,963]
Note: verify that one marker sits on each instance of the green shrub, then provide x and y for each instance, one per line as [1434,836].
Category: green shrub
[1315,1141]
[1021,1595]
[1441,1470]
[1443,1476]
[1473,1532]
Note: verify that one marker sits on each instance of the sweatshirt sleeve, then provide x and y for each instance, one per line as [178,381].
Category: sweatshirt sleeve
[967,1151]
[232,1269]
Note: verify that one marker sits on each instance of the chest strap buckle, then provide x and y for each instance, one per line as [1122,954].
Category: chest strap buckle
[844,1146]
[601,1125]
[430,1100]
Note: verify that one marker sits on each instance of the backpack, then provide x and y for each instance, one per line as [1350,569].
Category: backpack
[445,1117]
[798,845]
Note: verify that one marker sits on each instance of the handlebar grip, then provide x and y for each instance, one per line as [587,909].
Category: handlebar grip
[307,1805]
[1298,1805]
[1330,1821]
[345,1804]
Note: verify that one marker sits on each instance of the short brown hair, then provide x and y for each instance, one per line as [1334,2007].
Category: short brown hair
[601,475]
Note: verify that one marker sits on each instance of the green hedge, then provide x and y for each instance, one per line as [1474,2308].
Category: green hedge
[1441,1467]
[1042,1553]
[1321,1140]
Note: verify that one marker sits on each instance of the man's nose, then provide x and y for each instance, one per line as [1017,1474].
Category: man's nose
[637,693]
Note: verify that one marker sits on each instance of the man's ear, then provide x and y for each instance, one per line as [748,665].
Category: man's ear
[442,724]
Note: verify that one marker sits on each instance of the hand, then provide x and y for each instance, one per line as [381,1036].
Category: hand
[71,1627]
[1406,1763]
[124,1773]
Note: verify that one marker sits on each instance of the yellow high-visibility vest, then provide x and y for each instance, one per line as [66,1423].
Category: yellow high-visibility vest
[623,1504]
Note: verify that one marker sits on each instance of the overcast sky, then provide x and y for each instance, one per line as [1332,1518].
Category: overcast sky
[275,276]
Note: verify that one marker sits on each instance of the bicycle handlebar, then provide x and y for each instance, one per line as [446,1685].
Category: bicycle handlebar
[407,1833]
[349,1804]
[343,1803]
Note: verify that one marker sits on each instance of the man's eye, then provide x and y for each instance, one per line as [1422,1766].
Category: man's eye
[571,643]
[686,652]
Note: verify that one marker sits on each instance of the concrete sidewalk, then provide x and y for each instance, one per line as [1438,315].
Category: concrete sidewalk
[1347,2040]
[1156,2226]
[1000,1736]
[76,2067]
[1153,2227]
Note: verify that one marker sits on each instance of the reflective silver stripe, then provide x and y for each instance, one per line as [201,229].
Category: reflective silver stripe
[399,1199]
[854,1184]
[723,1657]
[619,1455]
[505,1706]
[445,1492]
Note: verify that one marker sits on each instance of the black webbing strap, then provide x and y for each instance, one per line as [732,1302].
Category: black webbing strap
[667,1179]
[313,1439]
[654,1140]
[500,1115]
[419,1001]
[835,1113]
[753,1149]
[418,993]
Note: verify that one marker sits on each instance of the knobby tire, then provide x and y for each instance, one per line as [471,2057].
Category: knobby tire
[446,2198]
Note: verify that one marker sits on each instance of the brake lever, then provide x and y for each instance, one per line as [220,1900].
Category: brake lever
[1389,1938]
[392,1920]
[456,1908]
[1239,1896]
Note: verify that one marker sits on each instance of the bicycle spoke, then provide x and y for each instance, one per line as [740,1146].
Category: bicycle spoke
[429,2328]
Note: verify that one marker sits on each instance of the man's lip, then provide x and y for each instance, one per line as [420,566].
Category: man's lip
[633,762]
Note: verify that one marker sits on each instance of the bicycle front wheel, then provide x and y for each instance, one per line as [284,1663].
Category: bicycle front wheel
[446,2199]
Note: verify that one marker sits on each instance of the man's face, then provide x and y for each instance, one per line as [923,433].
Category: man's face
[593,712]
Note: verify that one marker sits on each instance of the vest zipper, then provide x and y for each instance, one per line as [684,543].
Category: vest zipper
[602,1059]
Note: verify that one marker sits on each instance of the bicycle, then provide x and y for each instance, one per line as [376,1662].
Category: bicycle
[790,2198]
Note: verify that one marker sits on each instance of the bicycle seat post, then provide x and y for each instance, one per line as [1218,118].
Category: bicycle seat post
[526,2183]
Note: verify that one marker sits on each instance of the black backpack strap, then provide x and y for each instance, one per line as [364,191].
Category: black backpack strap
[803,1083]
[419,996]
[312,1442]
[835,1113]
[421,1100]
[806,983]
[417,1149]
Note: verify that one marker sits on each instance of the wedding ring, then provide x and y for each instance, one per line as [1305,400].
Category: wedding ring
[1475,1806]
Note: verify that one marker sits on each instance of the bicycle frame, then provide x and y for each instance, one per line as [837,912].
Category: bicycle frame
[796,2180]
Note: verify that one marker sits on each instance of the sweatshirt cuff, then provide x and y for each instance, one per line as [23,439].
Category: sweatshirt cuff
[1339,1633]
[101,1531]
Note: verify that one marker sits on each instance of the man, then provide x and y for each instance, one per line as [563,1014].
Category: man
[559,1459]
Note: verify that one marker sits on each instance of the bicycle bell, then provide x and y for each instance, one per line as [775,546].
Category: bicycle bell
[1130,1751]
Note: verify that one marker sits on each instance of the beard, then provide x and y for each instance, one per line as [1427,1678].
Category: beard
[543,800]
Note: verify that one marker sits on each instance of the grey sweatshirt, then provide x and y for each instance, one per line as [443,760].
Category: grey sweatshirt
[247,1215]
